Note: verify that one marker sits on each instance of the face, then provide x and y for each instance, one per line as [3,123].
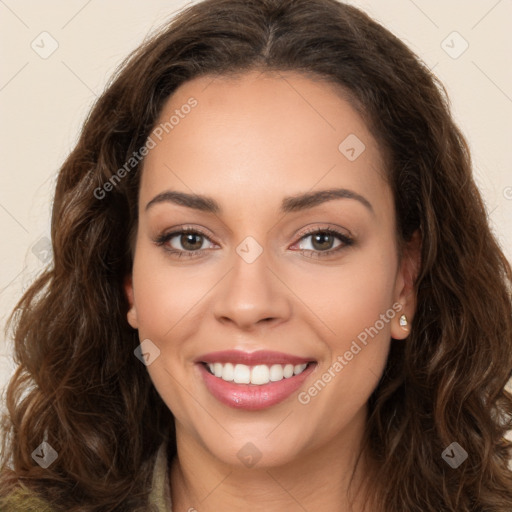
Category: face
[270,320]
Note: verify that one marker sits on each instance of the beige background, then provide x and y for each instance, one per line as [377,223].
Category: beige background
[43,101]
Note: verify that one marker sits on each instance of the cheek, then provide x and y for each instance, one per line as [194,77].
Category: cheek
[163,293]
[351,297]
[355,307]
[165,296]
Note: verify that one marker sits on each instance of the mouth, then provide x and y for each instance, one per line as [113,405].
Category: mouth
[253,381]
[258,375]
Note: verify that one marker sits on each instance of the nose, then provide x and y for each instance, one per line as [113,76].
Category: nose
[252,294]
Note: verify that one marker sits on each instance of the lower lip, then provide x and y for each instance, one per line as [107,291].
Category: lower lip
[251,396]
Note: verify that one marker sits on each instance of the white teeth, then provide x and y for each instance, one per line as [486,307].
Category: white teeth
[217,369]
[242,374]
[299,368]
[288,371]
[276,373]
[259,374]
[228,372]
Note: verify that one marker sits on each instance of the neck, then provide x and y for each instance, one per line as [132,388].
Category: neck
[317,480]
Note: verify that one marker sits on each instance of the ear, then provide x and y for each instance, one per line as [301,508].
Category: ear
[405,293]
[131,316]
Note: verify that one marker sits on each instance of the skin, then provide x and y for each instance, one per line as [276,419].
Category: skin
[248,143]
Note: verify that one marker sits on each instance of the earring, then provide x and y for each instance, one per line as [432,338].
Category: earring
[404,323]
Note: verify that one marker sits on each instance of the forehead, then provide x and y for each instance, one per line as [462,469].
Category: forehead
[257,135]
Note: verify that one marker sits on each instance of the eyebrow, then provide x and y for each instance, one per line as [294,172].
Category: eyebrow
[289,204]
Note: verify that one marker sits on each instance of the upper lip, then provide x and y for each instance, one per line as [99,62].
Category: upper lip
[252,358]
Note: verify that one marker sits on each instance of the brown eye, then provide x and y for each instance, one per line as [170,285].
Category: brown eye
[185,242]
[323,242]
[191,241]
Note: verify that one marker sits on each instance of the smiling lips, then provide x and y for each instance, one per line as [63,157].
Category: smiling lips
[254,380]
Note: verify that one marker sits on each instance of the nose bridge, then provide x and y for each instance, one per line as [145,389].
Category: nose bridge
[251,292]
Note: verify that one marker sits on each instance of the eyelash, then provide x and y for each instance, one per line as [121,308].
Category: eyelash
[164,238]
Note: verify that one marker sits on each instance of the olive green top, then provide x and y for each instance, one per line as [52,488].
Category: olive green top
[159,498]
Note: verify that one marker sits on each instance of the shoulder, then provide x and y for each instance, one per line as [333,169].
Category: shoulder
[160,497]
[24,499]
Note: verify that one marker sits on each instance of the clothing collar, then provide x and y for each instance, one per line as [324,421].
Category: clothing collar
[160,496]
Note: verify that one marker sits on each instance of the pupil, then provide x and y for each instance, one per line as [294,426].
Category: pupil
[187,239]
[326,239]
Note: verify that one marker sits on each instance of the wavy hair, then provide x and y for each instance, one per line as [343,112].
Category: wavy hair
[79,386]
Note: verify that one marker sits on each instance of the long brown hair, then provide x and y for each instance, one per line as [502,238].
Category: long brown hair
[78,384]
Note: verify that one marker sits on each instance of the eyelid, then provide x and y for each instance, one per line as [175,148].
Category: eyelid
[167,235]
[323,228]
[346,240]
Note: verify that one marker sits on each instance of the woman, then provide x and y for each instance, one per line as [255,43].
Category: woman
[274,285]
